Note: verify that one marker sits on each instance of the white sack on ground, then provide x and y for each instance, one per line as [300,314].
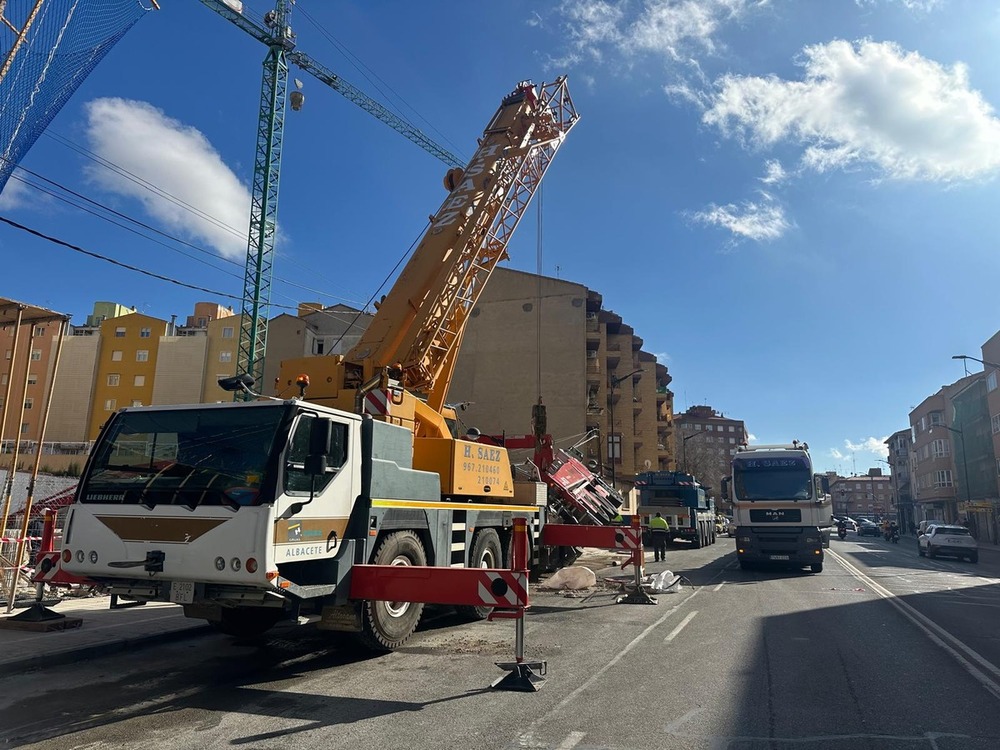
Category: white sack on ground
[570,579]
[665,583]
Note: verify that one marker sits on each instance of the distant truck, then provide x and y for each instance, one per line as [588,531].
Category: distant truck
[679,498]
[782,513]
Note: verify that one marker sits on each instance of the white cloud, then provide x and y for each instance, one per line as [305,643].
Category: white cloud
[924,6]
[838,455]
[751,438]
[774,174]
[867,103]
[873,445]
[759,221]
[662,357]
[17,194]
[671,28]
[177,159]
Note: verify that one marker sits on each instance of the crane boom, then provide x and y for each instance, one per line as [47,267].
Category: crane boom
[419,324]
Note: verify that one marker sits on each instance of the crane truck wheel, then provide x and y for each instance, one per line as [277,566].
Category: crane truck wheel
[699,537]
[385,626]
[486,553]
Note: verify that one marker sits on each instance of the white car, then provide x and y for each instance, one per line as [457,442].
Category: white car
[948,540]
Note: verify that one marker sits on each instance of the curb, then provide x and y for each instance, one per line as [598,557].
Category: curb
[84,653]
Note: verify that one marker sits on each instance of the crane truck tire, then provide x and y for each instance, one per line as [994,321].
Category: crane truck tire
[486,553]
[699,537]
[385,626]
[248,622]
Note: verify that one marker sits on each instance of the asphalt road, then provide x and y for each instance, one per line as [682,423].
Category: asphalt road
[881,650]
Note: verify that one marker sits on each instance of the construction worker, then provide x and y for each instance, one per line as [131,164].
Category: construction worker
[660,529]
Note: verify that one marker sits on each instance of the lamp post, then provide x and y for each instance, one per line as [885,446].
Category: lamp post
[614,448]
[983,362]
[893,488]
[684,448]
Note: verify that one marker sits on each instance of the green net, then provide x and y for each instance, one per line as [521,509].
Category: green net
[47,49]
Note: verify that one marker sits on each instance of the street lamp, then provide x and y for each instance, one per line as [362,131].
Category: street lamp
[965,465]
[976,359]
[613,447]
[684,447]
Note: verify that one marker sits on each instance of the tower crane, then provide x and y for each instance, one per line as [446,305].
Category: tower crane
[276,33]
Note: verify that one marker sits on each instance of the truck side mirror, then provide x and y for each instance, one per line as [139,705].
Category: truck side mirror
[724,489]
[320,435]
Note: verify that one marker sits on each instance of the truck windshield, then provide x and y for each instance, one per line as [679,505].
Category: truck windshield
[763,479]
[187,457]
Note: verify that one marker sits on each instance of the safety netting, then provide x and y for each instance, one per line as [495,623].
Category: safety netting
[47,49]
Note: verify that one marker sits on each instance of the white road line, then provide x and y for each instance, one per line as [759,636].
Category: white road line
[958,650]
[572,740]
[719,586]
[676,631]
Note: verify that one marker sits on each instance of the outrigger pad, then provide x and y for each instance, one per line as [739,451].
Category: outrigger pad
[638,595]
[521,676]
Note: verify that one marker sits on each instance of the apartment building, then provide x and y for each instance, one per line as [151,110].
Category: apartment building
[533,337]
[867,495]
[900,444]
[991,356]
[29,338]
[706,442]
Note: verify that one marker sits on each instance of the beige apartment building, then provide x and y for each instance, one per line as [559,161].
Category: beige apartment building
[533,337]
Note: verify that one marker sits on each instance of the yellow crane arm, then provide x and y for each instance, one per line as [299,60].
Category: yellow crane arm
[419,324]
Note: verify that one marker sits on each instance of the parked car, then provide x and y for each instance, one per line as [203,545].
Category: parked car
[850,523]
[868,528]
[944,539]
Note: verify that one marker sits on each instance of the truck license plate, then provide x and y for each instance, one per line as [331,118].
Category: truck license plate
[779,557]
[182,592]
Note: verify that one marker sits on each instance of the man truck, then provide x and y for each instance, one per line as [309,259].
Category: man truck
[782,515]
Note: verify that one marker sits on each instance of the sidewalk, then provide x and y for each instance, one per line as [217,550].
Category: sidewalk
[104,631]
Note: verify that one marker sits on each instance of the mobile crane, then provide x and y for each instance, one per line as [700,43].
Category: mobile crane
[248,513]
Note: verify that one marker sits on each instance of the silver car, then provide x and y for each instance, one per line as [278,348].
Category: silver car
[948,540]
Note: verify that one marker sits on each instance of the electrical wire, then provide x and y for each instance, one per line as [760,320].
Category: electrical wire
[364,71]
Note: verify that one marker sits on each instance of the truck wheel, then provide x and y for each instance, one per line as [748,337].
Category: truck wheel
[385,626]
[485,554]
[248,622]
[816,567]
[698,538]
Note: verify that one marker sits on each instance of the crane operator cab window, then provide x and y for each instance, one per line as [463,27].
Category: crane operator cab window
[297,479]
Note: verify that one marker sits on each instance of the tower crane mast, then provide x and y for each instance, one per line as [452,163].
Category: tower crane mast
[276,33]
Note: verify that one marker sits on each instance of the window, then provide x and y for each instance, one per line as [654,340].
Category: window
[227,332]
[732,428]
[202,322]
[25,427]
[991,381]
[296,479]
[144,333]
[36,355]
[114,379]
[116,355]
[32,379]
[139,381]
[3,380]
[318,346]
[995,423]
[225,356]
[39,330]
[7,356]
[110,405]
[698,427]
[142,355]
[120,332]
[941,448]
[614,447]
[28,403]
[942,478]
[923,423]
[935,418]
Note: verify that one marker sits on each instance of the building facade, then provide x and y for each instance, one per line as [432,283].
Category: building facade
[706,442]
[868,496]
[900,445]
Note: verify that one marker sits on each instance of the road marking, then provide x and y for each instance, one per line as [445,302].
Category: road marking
[719,586]
[935,632]
[572,740]
[676,631]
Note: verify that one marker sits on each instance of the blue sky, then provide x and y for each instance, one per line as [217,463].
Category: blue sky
[793,203]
